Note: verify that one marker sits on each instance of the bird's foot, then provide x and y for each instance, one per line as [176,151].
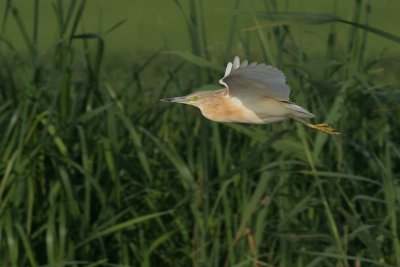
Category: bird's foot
[326,128]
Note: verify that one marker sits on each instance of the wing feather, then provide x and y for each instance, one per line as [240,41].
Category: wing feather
[256,79]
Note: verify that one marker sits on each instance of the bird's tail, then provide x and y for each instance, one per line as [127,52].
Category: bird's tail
[298,111]
[298,114]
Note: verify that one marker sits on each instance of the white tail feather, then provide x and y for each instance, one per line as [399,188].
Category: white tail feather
[299,111]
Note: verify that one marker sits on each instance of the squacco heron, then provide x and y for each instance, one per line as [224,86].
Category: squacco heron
[253,93]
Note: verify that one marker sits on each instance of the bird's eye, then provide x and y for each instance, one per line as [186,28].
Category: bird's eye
[194,98]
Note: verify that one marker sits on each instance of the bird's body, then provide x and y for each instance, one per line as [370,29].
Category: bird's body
[230,109]
[223,107]
[255,93]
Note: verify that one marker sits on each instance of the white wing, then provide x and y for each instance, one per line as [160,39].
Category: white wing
[256,79]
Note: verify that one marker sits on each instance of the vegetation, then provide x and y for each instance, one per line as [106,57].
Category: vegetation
[95,172]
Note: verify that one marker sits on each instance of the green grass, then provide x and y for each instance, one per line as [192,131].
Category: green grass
[94,171]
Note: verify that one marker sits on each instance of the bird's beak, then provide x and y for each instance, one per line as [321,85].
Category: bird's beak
[179,99]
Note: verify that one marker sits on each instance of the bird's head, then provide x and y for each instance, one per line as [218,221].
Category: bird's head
[197,98]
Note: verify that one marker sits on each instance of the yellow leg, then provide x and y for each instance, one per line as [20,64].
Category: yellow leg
[323,127]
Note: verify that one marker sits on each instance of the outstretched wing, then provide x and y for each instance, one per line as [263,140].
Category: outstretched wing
[255,79]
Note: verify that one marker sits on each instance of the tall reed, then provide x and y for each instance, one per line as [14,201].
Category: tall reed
[94,172]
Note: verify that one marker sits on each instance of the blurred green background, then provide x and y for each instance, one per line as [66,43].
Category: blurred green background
[152,25]
[95,171]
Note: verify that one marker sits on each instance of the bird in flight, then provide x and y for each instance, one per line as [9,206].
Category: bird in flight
[253,93]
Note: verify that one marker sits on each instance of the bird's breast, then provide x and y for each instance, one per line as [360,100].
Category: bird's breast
[229,109]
